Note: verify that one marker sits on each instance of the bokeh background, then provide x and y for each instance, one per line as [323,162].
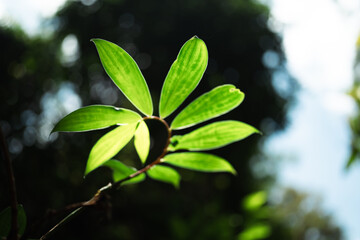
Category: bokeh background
[296,63]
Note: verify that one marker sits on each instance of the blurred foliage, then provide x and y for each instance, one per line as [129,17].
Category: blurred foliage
[257,216]
[355,120]
[43,78]
[5,221]
[302,216]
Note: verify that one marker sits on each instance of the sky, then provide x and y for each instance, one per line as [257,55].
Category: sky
[319,41]
[28,13]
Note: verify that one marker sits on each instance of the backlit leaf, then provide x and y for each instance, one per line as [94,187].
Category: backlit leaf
[121,171]
[199,161]
[109,145]
[184,75]
[212,136]
[164,174]
[218,101]
[95,117]
[142,141]
[125,73]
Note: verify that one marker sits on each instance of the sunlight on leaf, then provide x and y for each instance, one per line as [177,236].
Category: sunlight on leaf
[165,174]
[212,136]
[125,73]
[95,117]
[121,171]
[212,104]
[109,145]
[199,161]
[142,141]
[183,76]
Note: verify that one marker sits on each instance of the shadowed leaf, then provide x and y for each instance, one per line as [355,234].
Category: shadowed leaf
[5,221]
[164,174]
[121,171]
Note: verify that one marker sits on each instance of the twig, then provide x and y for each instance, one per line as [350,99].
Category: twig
[63,221]
[157,161]
[14,211]
[95,199]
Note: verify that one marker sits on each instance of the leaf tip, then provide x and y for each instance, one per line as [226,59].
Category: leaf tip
[52,131]
[55,128]
[234,89]
[239,92]
[94,40]
[258,132]
[87,171]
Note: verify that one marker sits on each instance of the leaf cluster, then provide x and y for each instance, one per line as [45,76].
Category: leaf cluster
[182,78]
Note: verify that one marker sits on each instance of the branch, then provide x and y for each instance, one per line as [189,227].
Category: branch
[14,211]
[158,159]
[100,193]
[93,201]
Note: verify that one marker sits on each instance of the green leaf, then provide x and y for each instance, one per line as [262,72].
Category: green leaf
[126,74]
[121,171]
[184,75]
[5,221]
[212,136]
[199,161]
[164,174]
[212,104]
[255,201]
[352,158]
[256,231]
[142,141]
[95,117]
[21,219]
[109,145]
